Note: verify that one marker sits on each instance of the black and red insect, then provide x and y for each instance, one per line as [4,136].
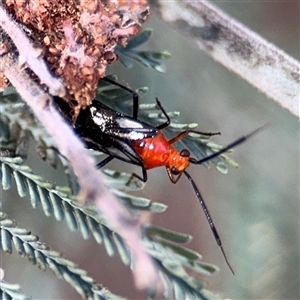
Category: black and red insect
[133,141]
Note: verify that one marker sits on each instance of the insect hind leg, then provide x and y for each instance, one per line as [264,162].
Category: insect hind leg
[144,177]
[104,162]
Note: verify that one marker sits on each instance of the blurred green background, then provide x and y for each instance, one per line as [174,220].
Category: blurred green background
[255,207]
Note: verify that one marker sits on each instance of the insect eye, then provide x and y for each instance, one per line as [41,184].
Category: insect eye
[185,153]
[175,171]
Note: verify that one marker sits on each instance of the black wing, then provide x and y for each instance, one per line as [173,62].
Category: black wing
[115,124]
[106,130]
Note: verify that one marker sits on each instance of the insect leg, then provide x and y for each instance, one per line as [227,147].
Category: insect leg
[135,96]
[136,161]
[208,218]
[178,137]
[168,121]
[204,133]
[129,159]
[184,133]
[144,178]
[104,162]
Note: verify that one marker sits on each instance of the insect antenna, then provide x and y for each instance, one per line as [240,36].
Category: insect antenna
[208,217]
[230,146]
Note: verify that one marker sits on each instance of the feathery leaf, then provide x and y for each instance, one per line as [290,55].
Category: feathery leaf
[171,259]
[150,59]
[10,291]
[40,254]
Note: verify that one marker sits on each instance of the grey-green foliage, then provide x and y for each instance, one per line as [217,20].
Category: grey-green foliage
[40,254]
[200,145]
[163,245]
[149,59]
[10,291]
[166,247]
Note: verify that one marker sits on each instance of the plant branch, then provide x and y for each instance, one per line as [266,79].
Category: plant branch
[236,47]
[92,186]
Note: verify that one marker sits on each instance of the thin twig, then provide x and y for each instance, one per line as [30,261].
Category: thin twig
[241,50]
[28,54]
[90,180]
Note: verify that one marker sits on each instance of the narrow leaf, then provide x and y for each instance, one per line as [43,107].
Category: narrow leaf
[179,292]
[10,291]
[222,167]
[157,207]
[140,39]
[126,62]
[94,227]
[18,245]
[6,241]
[184,252]
[81,221]
[71,221]
[72,280]
[30,253]
[55,268]
[21,185]
[33,193]
[168,287]
[45,201]
[122,249]
[41,260]
[6,176]
[169,235]
[106,233]
[19,231]
[56,206]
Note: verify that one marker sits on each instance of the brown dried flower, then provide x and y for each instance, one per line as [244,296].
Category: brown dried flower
[132,4]
[78,38]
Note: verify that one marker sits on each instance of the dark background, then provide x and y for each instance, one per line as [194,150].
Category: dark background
[255,207]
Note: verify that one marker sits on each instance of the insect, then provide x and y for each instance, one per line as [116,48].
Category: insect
[133,141]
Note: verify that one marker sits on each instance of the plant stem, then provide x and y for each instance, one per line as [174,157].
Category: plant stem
[90,180]
[236,47]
